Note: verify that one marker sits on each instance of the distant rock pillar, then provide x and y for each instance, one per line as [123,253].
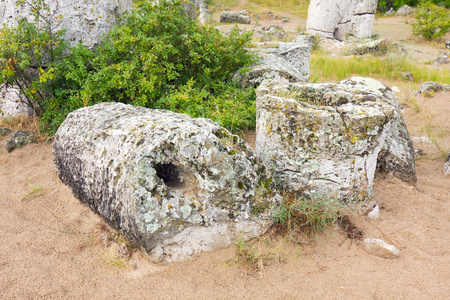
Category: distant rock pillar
[341,18]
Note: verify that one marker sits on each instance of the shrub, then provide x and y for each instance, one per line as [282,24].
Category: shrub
[156,57]
[396,4]
[29,53]
[311,212]
[432,21]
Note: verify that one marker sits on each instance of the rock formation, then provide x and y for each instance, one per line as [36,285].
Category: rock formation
[339,19]
[232,17]
[84,20]
[174,185]
[283,62]
[331,138]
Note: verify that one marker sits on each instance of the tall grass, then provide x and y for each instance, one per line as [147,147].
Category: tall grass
[295,7]
[326,68]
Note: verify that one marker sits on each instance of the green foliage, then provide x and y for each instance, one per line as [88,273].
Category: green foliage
[312,212]
[29,53]
[326,68]
[396,4]
[432,21]
[157,57]
[158,48]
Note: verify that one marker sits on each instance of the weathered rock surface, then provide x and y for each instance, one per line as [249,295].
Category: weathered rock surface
[271,33]
[339,19]
[442,59]
[405,10]
[447,166]
[390,12]
[283,62]
[232,17]
[19,139]
[174,185]
[305,39]
[331,138]
[372,46]
[380,248]
[428,87]
[5,131]
[83,21]
[407,76]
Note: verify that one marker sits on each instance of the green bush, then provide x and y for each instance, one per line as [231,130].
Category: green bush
[157,57]
[29,53]
[432,21]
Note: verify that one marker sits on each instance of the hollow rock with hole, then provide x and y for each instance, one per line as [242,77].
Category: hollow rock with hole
[174,185]
[330,138]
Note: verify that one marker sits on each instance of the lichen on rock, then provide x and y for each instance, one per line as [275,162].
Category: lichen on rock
[330,138]
[174,185]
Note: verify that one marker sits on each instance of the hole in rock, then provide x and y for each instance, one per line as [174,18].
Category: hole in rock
[169,173]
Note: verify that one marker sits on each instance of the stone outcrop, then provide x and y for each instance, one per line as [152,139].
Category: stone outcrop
[331,138]
[446,167]
[428,87]
[442,59]
[5,131]
[12,103]
[342,18]
[283,62]
[19,139]
[405,10]
[380,248]
[232,17]
[174,185]
[84,20]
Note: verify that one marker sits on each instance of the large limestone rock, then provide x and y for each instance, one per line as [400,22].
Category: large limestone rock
[83,20]
[283,62]
[330,138]
[174,185]
[341,18]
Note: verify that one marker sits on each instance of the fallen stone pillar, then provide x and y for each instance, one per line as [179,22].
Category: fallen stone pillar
[174,185]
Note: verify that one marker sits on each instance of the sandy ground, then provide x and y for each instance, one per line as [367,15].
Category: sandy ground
[53,247]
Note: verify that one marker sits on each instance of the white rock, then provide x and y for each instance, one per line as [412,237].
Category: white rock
[341,18]
[421,139]
[380,248]
[395,89]
[447,168]
[374,214]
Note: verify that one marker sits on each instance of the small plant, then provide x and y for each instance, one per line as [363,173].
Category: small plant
[312,213]
[260,252]
[432,21]
[414,104]
[34,191]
